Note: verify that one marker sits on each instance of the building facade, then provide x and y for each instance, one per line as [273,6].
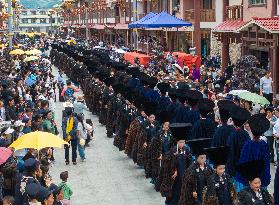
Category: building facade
[109,21]
[39,20]
[253,25]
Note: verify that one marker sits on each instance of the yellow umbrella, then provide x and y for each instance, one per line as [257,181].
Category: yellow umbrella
[31,58]
[17,52]
[72,41]
[38,140]
[30,35]
[2,45]
[35,52]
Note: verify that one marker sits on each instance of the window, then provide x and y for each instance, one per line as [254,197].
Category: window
[53,20]
[24,20]
[33,20]
[24,13]
[43,20]
[33,12]
[257,2]
[43,12]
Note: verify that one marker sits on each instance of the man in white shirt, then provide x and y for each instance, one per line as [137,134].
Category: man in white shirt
[266,85]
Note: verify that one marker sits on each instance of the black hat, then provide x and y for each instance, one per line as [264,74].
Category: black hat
[182,85]
[218,155]
[181,95]
[164,116]
[54,189]
[198,145]
[193,97]
[32,190]
[225,107]
[251,170]
[239,116]
[31,164]
[172,93]
[258,124]
[152,81]
[181,131]
[205,106]
[109,81]
[43,194]
[150,107]
[163,87]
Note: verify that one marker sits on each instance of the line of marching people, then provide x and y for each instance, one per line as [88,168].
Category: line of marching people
[171,132]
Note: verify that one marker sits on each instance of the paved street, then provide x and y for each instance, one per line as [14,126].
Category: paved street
[107,177]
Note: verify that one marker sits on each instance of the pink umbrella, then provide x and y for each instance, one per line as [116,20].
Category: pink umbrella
[5,153]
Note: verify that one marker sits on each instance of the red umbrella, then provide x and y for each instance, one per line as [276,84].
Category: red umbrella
[5,153]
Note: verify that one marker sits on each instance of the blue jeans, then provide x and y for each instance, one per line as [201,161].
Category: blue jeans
[81,151]
[74,144]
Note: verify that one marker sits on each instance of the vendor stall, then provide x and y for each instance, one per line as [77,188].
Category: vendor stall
[143,59]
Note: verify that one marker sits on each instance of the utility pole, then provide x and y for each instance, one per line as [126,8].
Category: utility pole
[135,17]
[86,22]
[10,24]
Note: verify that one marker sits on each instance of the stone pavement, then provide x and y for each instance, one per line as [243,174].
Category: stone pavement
[107,177]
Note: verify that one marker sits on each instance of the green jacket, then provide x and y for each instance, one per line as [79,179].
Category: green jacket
[66,189]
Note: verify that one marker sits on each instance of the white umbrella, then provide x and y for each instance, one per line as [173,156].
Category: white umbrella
[178,67]
[120,51]
[237,92]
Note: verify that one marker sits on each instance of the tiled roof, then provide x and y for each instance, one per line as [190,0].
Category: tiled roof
[229,26]
[269,24]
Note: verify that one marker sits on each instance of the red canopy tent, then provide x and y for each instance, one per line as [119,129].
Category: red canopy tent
[143,59]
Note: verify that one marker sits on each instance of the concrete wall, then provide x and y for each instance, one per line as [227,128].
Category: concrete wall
[256,11]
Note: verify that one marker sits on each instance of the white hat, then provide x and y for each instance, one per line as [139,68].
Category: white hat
[68,104]
[18,123]
[9,131]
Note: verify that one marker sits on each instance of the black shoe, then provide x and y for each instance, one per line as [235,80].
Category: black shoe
[74,163]
[67,163]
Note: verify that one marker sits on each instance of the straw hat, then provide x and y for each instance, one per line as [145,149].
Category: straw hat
[67,104]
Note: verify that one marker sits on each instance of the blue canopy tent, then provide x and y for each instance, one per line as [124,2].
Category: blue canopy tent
[146,17]
[163,20]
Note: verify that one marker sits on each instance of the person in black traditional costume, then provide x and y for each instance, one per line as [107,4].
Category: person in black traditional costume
[204,127]
[224,130]
[196,176]
[220,189]
[164,100]
[237,138]
[174,104]
[256,149]
[193,97]
[159,146]
[254,194]
[175,164]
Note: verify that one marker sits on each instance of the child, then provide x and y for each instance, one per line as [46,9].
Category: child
[8,200]
[65,187]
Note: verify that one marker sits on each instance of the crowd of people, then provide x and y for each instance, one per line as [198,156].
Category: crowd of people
[195,146]
[196,142]
[27,104]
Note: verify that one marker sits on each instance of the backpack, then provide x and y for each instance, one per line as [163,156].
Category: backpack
[69,93]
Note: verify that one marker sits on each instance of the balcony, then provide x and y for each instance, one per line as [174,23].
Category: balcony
[234,12]
[207,15]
